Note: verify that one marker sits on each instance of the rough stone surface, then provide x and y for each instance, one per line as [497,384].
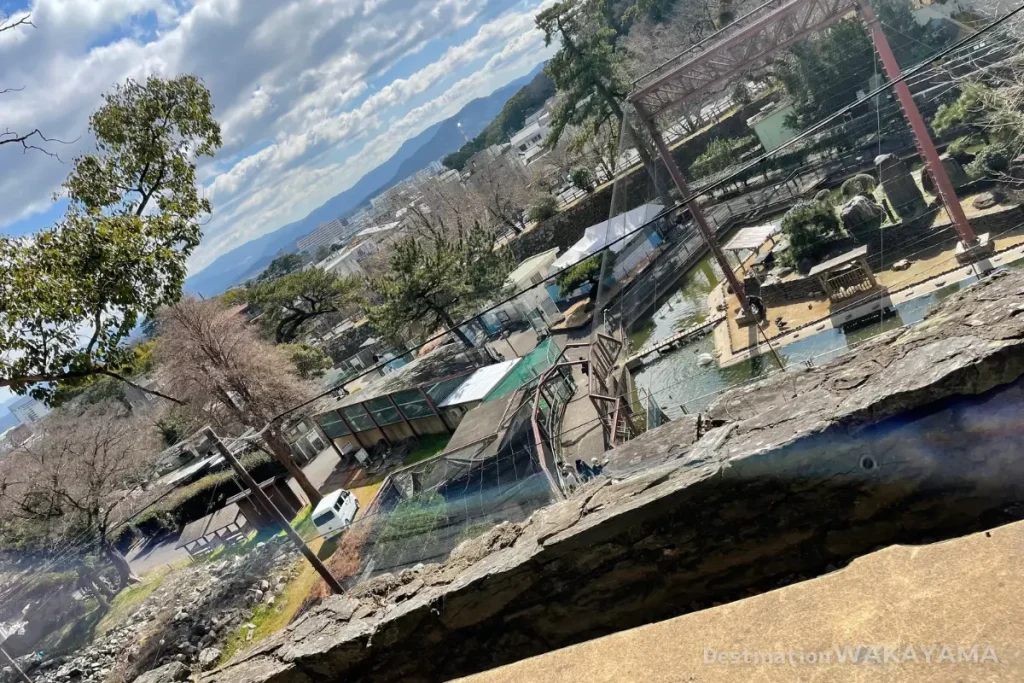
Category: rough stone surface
[209,657]
[987,200]
[861,215]
[168,673]
[911,438]
[900,188]
[961,593]
[192,611]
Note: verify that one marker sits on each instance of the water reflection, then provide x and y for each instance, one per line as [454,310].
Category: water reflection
[680,383]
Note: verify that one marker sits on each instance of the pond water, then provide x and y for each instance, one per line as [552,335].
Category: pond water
[680,383]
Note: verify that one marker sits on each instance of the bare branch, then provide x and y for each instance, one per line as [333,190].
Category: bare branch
[9,137]
[8,25]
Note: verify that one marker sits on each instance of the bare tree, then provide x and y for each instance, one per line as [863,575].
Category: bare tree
[70,483]
[214,358]
[30,139]
[501,187]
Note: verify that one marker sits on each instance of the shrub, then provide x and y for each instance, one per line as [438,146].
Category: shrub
[582,178]
[861,183]
[544,208]
[959,148]
[810,227]
[741,93]
[988,161]
[578,275]
[194,501]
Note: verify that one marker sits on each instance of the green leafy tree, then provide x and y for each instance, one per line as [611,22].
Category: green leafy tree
[311,362]
[281,265]
[100,388]
[289,303]
[717,156]
[433,282]
[825,71]
[120,252]
[582,178]
[584,272]
[810,226]
[588,74]
[527,100]
[543,208]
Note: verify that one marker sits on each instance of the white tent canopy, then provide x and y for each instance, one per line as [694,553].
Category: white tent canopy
[597,237]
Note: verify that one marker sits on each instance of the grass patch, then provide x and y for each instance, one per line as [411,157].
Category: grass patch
[303,523]
[428,446]
[269,619]
[125,602]
[365,494]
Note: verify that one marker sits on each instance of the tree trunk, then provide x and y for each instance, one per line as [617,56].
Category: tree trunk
[453,328]
[283,454]
[125,576]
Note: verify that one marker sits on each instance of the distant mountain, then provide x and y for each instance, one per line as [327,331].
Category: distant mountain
[474,117]
[509,120]
[247,260]
[7,420]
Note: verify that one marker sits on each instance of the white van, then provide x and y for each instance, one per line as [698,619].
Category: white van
[335,512]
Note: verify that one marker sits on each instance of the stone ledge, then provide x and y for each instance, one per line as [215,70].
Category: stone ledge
[790,478]
[963,592]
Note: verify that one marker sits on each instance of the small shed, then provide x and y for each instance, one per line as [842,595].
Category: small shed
[402,404]
[751,239]
[846,275]
[280,494]
[203,536]
[471,392]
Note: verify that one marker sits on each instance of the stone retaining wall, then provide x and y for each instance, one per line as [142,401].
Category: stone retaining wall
[914,437]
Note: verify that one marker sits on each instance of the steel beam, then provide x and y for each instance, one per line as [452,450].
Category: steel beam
[710,238]
[924,140]
[736,50]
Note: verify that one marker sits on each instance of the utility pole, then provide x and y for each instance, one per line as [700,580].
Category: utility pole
[13,665]
[272,510]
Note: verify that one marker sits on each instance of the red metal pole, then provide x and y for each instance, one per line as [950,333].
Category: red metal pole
[917,125]
[698,216]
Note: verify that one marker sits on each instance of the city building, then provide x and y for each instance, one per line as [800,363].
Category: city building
[528,143]
[28,410]
[346,263]
[326,234]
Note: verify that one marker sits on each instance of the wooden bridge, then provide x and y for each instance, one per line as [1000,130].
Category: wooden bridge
[636,359]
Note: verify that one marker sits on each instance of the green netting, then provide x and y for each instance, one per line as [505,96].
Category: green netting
[529,368]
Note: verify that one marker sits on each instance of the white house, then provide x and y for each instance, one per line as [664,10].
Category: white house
[535,305]
[528,143]
[28,410]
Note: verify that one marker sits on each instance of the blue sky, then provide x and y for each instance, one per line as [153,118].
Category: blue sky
[310,95]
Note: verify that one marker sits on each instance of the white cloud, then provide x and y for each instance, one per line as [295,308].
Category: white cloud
[296,86]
